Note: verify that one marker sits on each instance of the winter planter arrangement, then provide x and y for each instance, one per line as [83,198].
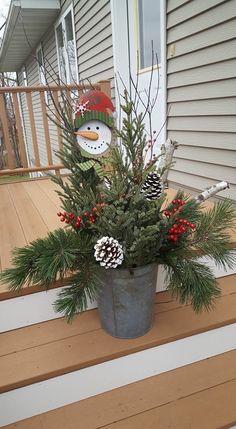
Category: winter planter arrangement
[119,226]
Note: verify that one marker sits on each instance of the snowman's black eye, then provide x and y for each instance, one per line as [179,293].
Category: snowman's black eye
[97,128]
[88,128]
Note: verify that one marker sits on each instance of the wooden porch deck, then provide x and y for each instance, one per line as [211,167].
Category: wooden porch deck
[28,211]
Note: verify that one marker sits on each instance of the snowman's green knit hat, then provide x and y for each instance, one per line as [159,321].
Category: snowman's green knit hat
[99,116]
[94,105]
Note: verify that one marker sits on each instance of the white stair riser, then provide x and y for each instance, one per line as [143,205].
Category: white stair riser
[38,307]
[63,390]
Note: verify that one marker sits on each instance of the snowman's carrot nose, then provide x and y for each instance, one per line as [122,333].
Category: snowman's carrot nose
[91,135]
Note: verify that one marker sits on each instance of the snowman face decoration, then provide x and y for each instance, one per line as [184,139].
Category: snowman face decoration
[94,138]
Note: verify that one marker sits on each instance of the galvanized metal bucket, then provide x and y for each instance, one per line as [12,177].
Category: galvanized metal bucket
[126,301]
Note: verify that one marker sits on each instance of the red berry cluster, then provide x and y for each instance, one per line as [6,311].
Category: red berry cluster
[77,221]
[178,204]
[181,225]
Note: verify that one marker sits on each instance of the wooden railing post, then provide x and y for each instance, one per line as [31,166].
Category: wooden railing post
[7,140]
[105,86]
[33,128]
[23,156]
[46,128]
[57,115]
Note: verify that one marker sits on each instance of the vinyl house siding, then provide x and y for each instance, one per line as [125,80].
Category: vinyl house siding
[201,92]
[93,35]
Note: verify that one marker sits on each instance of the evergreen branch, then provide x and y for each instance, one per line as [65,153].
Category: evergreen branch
[44,260]
[212,234]
[191,281]
[84,287]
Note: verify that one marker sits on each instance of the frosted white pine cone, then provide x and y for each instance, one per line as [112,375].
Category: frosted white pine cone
[152,187]
[108,252]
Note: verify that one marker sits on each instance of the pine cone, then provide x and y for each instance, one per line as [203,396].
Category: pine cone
[108,252]
[152,187]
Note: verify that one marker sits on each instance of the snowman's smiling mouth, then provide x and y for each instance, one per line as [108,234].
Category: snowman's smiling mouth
[94,147]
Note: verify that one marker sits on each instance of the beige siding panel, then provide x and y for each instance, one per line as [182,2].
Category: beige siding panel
[95,29]
[204,139]
[82,6]
[32,73]
[103,48]
[174,4]
[199,183]
[103,57]
[92,12]
[104,11]
[51,64]
[97,68]
[213,54]
[206,170]
[208,73]
[50,56]
[104,75]
[103,36]
[94,40]
[223,12]
[225,31]
[222,157]
[221,106]
[223,88]
[190,9]
[202,93]
[33,80]
[64,5]
[225,124]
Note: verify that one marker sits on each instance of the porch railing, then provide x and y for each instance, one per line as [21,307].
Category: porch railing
[20,107]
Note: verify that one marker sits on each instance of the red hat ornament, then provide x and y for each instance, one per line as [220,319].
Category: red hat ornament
[93,123]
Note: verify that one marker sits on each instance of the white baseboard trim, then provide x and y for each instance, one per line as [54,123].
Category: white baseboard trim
[59,391]
[38,307]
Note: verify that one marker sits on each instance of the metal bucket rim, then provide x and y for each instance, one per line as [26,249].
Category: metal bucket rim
[126,272]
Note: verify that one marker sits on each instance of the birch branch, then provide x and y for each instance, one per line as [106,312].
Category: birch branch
[221,186]
[167,152]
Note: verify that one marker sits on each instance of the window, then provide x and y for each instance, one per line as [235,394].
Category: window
[66,49]
[41,68]
[149,31]
[42,71]
[24,76]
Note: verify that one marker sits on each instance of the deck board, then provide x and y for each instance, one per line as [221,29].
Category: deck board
[91,345]
[199,395]
[28,211]
[49,188]
[211,409]
[44,205]
[11,231]
[32,223]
